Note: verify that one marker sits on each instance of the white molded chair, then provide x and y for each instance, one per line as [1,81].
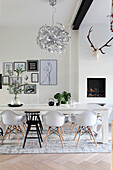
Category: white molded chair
[53,119]
[12,121]
[72,119]
[85,121]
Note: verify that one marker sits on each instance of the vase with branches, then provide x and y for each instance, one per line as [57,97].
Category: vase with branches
[15,86]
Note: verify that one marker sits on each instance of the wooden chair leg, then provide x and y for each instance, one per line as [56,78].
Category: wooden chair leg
[62,130]
[79,137]
[77,132]
[89,133]
[17,136]
[73,128]
[46,136]
[4,135]
[93,137]
[10,132]
[21,131]
[24,127]
[70,126]
[60,137]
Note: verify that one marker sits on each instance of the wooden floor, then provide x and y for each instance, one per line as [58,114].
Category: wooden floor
[95,161]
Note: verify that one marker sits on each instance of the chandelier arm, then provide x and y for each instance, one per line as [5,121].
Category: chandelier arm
[53,15]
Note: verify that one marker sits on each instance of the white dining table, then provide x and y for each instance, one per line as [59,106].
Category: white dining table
[67,109]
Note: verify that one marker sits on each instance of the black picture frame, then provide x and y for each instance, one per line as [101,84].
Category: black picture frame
[19,65]
[32,65]
[5,79]
[34,77]
[30,89]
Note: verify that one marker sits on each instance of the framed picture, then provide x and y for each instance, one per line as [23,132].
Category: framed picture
[15,83]
[32,65]
[30,89]
[20,65]
[34,78]
[8,66]
[48,72]
[5,79]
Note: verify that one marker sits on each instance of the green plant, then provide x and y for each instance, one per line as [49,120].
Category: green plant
[65,97]
[58,96]
[15,86]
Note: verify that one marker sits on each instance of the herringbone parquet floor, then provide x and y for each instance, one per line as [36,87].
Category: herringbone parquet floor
[94,161]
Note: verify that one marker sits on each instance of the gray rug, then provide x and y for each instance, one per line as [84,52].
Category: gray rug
[53,144]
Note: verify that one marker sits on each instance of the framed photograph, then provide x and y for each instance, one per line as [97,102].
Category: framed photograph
[30,89]
[5,79]
[15,83]
[20,65]
[48,72]
[34,78]
[8,66]
[32,65]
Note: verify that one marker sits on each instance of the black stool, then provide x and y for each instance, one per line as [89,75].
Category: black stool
[1,131]
[33,120]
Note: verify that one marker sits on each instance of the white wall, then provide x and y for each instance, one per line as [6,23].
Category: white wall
[90,67]
[19,44]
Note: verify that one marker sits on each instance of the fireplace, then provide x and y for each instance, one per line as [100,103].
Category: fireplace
[96,87]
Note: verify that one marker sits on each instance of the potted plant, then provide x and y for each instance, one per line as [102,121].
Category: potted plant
[65,97]
[58,96]
[15,86]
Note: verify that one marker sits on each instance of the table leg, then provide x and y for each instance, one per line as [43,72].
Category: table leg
[105,126]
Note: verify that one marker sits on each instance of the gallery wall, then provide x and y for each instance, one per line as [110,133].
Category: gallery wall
[19,44]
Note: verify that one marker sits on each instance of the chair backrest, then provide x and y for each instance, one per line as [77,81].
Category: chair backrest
[53,119]
[87,118]
[9,117]
[32,116]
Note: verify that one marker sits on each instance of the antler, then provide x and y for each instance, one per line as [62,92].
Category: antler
[90,30]
[106,44]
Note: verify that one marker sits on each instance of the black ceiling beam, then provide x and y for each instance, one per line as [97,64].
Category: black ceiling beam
[81,13]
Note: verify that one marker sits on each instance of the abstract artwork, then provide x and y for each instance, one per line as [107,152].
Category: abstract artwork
[48,72]
[32,65]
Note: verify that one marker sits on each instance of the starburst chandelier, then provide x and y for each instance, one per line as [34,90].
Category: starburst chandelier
[53,38]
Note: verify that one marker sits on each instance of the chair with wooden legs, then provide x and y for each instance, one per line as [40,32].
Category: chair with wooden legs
[12,121]
[72,119]
[85,121]
[54,120]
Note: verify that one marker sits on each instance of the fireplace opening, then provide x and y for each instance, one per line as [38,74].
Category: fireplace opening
[96,87]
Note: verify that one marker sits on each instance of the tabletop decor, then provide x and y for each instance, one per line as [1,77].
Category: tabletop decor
[62,98]
[15,85]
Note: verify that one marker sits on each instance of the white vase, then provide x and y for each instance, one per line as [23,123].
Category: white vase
[15,101]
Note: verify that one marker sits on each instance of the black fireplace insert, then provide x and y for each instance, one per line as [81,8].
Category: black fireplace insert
[96,87]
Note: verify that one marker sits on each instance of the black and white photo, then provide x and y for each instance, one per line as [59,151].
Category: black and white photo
[21,65]
[32,65]
[30,89]
[8,66]
[48,72]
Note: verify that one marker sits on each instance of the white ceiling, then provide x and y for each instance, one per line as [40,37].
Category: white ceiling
[36,12]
